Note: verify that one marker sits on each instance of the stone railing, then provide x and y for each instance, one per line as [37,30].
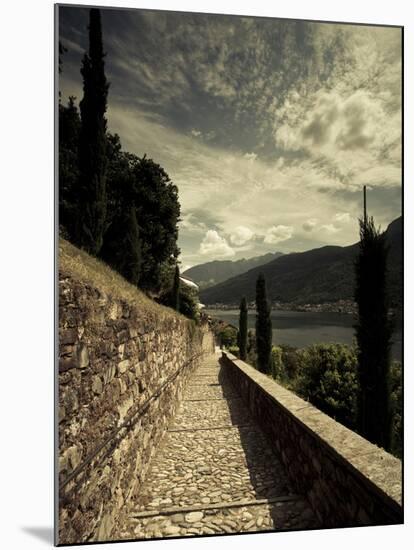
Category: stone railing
[122,372]
[347,480]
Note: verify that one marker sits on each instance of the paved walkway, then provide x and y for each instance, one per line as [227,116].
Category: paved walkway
[214,471]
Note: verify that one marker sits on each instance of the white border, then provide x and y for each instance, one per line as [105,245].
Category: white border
[26,289]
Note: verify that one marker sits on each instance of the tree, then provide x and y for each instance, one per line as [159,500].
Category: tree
[243,329]
[263,327]
[175,292]
[69,128]
[328,379]
[92,145]
[373,335]
[158,208]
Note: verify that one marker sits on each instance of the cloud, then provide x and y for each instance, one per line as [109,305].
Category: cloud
[254,120]
[342,217]
[309,225]
[278,233]
[215,246]
[241,235]
[329,228]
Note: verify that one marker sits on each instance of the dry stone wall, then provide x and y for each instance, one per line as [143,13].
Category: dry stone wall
[122,372]
[347,480]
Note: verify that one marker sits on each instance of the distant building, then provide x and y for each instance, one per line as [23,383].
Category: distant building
[189,283]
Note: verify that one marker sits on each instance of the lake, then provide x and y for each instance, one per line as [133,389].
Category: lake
[303,328]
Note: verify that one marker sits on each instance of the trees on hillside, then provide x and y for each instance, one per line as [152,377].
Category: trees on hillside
[112,203]
[263,327]
[243,329]
[373,334]
[91,189]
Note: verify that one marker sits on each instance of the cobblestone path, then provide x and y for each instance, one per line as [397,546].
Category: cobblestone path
[214,471]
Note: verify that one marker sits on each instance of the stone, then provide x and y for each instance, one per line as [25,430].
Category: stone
[97,386]
[172,530]
[82,356]
[123,366]
[109,373]
[192,517]
[122,386]
[68,336]
[105,528]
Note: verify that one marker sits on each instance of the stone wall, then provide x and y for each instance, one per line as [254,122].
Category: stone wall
[122,370]
[347,480]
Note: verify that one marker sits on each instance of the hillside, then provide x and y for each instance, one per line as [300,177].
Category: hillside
[320,275]
[213,273]
[79,265]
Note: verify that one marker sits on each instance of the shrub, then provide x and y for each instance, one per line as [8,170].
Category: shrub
[328,379]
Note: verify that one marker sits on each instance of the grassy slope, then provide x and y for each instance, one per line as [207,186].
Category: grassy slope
[76,263]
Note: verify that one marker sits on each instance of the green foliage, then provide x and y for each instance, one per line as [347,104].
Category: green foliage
[290,360]
[263,327]
[242,341]
[156,199]
[227,336]
[187,296]
[251,348]
[144,184]
[91,190]
[176,289]
[277,363]
[234,350]
[69,128]
[188,303]
[328,379]
[373,334]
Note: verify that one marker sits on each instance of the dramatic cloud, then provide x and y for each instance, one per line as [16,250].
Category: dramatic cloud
[215,246]
[268,127]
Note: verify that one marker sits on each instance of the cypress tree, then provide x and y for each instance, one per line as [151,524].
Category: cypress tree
[263,327]
[243,330]
[175,294]
[92,143]
[131,261]
[373,335]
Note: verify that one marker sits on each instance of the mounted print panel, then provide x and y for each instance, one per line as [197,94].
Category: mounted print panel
[230,275]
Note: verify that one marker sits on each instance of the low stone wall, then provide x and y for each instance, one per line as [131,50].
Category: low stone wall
[347,480]
[122,371]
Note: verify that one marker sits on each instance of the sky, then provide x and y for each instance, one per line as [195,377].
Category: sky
[269,128]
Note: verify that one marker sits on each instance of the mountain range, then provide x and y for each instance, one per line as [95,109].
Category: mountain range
[213,273]
[320,275]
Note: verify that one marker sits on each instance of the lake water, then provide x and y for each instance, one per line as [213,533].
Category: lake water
[301,329]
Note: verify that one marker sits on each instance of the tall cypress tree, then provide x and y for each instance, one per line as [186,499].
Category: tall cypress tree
[130,266]
[373,334]
[263,327]
[243,329]
[92,143]
[175,293]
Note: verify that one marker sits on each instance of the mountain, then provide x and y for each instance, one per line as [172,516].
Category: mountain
[320,275]
[212,273]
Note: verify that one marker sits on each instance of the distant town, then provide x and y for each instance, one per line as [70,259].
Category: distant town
[340,306]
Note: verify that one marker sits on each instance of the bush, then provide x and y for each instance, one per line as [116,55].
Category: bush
[328,379]
[227,336]
[234,350]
